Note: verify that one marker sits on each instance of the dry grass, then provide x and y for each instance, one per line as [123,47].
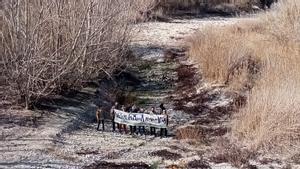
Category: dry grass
[189,132]
[272,116]
[270,120]
[226,152]
[220,51]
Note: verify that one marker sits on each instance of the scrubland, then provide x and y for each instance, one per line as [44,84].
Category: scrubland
[50,46]
[261,58]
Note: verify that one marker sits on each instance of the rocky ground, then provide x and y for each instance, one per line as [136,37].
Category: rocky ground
[64,136]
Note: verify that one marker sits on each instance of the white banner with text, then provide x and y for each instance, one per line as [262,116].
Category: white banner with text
[140,119]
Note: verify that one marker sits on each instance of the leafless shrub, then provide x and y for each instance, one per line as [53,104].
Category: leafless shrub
[48,46]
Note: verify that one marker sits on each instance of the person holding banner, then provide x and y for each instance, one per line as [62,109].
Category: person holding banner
[164,131]
[153,129]
[141,128]
[162,108]
[133,109]
[141,119]
[123,126]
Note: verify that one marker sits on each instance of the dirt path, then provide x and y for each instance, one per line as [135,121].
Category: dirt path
[64,141]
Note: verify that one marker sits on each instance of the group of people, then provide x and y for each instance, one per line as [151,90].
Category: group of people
[123,128]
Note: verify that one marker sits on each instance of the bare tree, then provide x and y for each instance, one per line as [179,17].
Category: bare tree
[47,45]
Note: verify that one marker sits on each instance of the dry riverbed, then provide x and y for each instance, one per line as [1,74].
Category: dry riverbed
[65,137]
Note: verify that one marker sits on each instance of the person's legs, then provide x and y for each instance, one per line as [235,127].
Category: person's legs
[113,125]
[98,124]
[153,131]
[119,127]
[103,125]
[125,128]
[161,132]
[140,130]
[131,129]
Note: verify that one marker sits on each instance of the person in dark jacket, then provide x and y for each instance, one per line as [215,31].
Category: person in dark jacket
[153,129]
[164,131]
[162,108]
[112,115]
[133,109]
[100,118]
[141,129]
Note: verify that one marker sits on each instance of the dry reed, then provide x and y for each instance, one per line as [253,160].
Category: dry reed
[270,119]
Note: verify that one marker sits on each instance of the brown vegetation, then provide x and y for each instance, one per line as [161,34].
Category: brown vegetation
[226,152]
[271,117]
[190,132]
[48,46]
[220,52]
[265,53]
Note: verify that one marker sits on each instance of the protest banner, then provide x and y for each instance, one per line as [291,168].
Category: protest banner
[140,119]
